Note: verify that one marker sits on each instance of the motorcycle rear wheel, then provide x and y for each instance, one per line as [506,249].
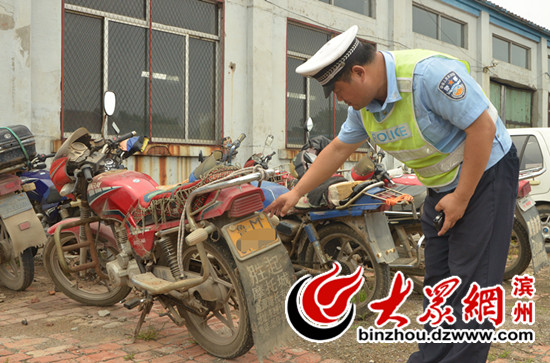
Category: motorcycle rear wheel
[519,252]
[18,273]
[344,245]
[225,330]
[86,286]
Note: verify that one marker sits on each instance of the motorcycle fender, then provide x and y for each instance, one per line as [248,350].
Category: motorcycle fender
[529,217]
[266,276]
[379,237]
[25,231]
[104,231]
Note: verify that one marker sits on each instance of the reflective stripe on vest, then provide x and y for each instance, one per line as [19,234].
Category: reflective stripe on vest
[399,134]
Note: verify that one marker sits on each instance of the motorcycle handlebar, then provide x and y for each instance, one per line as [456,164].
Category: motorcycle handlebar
[87,172]
[125,137]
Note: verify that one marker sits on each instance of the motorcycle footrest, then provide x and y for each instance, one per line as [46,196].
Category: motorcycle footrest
[404,262]
[132,303]
[149,282]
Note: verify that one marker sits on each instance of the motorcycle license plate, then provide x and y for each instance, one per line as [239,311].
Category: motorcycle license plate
[250,236]
[14,204]
[526,203]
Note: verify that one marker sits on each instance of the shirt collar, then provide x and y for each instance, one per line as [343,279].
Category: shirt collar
[393,92]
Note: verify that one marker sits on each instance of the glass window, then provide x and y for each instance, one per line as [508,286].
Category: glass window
[500,49]
[436,26]
[424,22]
[305,97]
[531,157]
[510,52]
[451,32]
[357,6]
[518,56]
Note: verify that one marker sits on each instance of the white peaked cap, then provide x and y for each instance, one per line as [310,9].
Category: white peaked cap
[330,59]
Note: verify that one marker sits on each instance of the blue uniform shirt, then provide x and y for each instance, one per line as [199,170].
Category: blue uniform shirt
[442,119]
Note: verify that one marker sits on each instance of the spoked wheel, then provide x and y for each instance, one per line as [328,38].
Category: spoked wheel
[87,286]
[519,253]
[344,245]
[16,274]
[221,325]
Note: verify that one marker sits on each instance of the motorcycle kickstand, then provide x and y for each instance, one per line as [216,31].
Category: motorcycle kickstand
[145,310]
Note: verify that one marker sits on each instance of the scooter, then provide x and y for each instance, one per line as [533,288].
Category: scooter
[20,228]
[202,249]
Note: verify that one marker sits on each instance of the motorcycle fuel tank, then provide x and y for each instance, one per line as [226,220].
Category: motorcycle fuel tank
[113,194]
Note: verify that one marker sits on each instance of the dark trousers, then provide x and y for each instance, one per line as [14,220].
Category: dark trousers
[475,249]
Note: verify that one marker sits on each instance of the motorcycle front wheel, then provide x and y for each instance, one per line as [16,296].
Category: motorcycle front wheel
[342,244]
[86,286]
[223,327]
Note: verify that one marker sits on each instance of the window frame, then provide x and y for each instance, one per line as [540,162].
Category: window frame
[304,57]
[509,56]
[108,17]
[439,30]
[371,9]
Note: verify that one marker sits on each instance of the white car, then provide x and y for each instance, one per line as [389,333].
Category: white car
[533,145]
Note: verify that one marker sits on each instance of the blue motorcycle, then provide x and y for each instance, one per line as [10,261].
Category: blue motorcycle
[48,204]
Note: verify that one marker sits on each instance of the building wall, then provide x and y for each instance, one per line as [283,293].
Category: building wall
[254,67]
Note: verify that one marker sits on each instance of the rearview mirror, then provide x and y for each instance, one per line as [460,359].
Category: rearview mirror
[309,124]
[109,103]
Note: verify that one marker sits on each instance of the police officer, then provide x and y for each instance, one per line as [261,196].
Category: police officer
[425,109]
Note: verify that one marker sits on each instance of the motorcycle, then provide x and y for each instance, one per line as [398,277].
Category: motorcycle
[49,206]
[20,228]
[201,249]
[407,231]
[340,221]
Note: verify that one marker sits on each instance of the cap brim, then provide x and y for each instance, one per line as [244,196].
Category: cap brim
[327,89]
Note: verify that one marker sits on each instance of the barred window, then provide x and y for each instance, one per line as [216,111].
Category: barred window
[161,58]
[305,97]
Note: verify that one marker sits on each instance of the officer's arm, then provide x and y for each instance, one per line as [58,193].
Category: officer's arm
[324,166]
[477,149]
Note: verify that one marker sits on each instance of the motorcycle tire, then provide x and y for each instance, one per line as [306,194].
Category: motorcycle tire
[225,331]
[83,286]
[519,252]
[341,243]
[18,273]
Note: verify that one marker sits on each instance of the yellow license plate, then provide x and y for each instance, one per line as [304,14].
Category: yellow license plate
[251,235]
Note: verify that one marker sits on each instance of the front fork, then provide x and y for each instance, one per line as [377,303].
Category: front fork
[85,243]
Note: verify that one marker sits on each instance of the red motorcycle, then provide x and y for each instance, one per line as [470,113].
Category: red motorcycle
[201,249]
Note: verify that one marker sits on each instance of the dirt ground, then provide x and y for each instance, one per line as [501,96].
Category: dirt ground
[38,316]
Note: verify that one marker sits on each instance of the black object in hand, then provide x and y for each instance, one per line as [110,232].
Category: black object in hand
[439,220]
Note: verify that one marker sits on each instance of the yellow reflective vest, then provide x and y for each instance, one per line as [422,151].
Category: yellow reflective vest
[399,134]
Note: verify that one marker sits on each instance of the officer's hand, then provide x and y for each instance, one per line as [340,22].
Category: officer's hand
[454,207]
[281,205]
